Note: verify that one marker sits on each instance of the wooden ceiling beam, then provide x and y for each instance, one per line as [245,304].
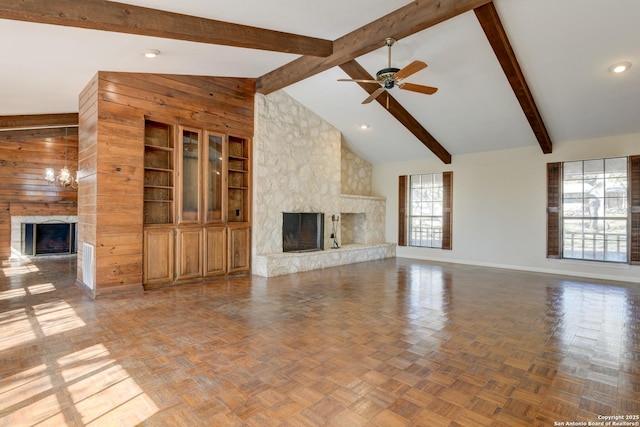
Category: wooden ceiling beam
[356,71]
[492,26]
[123,18]
[408,20]
[35,121]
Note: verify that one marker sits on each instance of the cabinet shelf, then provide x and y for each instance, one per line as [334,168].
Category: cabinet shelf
[158,148]
[164,187]
[238,180]
[157,169]
[158,173]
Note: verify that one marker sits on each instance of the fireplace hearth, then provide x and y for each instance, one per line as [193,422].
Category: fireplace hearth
[302,231]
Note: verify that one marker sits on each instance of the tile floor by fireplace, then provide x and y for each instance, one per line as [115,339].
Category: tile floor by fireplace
[393,342]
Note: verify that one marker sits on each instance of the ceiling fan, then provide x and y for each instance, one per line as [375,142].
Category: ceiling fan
[389,77]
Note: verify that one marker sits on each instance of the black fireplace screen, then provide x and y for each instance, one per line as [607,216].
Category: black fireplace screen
[49,238]
[302,231]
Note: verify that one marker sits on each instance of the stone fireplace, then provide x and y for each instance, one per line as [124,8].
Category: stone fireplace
[301,165]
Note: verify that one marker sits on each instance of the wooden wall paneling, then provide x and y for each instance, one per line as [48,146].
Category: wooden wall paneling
[118,278]
[87,171]
[22,165]
[39,120]
[119,244]
[187,91]
[43,209]
[5,231]
[233,94]
[115,114]
[21,135]
[171,114]
[148,92]
[119,199]
[114,149]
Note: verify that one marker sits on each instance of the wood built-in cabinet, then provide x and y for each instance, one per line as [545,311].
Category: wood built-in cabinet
[197,199]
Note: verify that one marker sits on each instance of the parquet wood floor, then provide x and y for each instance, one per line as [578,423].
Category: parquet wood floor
[386,343]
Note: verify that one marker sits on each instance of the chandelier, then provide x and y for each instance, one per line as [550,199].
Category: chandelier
[64,178]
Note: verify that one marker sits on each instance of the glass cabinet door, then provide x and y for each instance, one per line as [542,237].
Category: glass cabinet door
[190,173]
[213,177]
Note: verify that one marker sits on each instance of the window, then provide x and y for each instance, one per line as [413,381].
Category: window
[590,215]
[594,209]
[425,210]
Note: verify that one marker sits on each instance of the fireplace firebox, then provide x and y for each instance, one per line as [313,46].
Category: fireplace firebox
[48,238]
[302,231]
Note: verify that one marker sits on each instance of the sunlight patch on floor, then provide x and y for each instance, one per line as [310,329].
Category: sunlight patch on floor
[15,328]
[96,390]
[28,395]
[12,293]
[42,288]
[57,317]
[102,391]
[19,270]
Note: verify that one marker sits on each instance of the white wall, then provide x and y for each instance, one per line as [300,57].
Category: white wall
[500,221]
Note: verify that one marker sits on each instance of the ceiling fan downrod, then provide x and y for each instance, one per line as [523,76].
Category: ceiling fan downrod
[386,76]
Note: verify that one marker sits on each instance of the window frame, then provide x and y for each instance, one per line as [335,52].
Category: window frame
[555,214]
[404,210]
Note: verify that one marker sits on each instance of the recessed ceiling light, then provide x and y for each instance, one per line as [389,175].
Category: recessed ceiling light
[364,126]
[151,53]
[620,67]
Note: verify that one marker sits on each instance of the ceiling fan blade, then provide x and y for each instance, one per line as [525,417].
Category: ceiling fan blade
[410,69]
[358,80]
[374,95]
[427,90]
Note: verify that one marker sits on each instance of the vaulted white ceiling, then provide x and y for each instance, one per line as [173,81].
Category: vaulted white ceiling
[564,49]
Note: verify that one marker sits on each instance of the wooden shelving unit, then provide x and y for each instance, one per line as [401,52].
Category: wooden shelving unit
[238,179]
[197,204]
[158,174]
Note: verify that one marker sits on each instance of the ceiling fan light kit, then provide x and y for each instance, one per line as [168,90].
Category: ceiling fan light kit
[390,77]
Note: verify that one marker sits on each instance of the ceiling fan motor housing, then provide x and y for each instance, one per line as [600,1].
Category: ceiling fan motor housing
[386,77]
